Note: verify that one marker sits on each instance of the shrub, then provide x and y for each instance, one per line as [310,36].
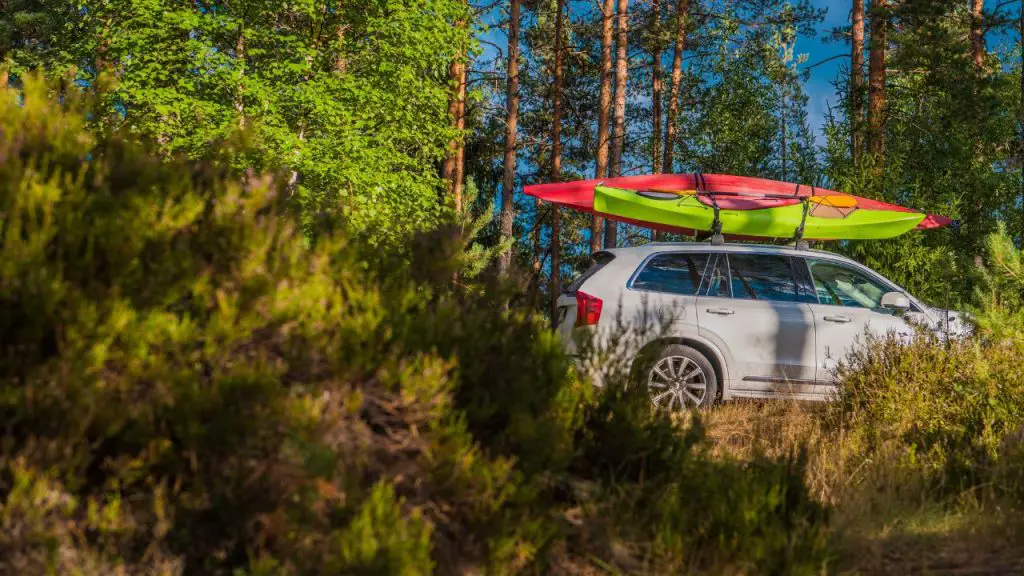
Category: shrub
[944,409]
[190,386]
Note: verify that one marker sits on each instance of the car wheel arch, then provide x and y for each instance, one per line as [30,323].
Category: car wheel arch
[708,350]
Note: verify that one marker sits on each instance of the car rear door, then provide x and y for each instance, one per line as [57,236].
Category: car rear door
[754,310]
[663,291]
[847,307]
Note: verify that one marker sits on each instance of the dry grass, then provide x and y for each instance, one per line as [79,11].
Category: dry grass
[884,518]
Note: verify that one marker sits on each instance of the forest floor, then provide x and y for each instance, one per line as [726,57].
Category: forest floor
[883,521]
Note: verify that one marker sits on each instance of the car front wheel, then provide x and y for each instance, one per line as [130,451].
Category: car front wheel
[681,378]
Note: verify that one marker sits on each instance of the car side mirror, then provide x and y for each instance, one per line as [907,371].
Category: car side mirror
[895,301]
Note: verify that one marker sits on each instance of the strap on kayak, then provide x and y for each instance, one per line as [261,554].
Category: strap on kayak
[716,225]
[798,235]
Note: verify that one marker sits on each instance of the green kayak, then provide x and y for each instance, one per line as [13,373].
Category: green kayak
[827,218]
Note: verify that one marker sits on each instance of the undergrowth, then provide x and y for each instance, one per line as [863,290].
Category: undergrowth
[190,385]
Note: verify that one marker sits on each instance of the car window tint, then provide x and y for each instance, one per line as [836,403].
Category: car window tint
[805,286]
[841,285]
[678,273]
[718,278]
[762,277]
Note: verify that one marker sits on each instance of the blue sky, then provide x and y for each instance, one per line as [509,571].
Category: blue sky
[818,87]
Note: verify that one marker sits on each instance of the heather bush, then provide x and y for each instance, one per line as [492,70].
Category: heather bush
[190,385]
[946,410]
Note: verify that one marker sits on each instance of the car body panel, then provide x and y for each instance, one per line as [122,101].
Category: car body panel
[763,348]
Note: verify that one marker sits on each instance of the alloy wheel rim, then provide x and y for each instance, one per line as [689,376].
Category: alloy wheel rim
[677,382]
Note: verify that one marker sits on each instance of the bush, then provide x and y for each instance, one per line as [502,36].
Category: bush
[190,386]
[944,409]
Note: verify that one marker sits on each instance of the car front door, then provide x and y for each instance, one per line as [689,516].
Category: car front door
[848,307]
[754,310]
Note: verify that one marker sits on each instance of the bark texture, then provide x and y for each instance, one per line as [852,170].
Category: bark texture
[511,122]
[876,79]
[682,14]
[604,102]
[556,159]
[857,82]
[619,114]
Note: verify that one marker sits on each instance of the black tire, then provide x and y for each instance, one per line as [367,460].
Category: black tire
[670,387]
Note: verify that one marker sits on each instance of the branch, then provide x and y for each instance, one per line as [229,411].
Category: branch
[820,62]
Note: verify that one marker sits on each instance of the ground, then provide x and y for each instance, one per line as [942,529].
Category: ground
[882,523]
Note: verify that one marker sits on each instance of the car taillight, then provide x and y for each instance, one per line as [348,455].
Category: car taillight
[588,309]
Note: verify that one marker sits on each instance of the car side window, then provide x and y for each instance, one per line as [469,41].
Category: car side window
[718,278]
[841,285]
[674,273]
[762,277]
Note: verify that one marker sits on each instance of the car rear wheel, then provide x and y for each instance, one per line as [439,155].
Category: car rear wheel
[681,378]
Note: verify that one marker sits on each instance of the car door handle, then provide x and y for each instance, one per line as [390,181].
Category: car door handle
[721,311]
[837,319]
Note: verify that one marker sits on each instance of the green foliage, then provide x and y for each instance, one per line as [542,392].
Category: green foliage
[947,409]
[348,98]
[189,386]
[950,148]
[699,513]
[1001,290]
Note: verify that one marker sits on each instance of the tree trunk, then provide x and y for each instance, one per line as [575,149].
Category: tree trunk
[977,34]
[452,170]
[682,13]
[782,118]
[876,80]
[340,63]
[240,89]
[511,120]
[656,89]
[460,152]
[619,114]
[556,162]
[604,102]
[857,83]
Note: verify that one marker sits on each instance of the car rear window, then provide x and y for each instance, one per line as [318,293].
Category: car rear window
[674,273]
[601,259]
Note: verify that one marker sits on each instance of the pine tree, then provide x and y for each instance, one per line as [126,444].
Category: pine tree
[511,121]
[681,20]
[604,113]
[556,158]
[857,82]
[877,80]
[618,139]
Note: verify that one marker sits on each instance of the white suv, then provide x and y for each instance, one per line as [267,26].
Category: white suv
[744,320]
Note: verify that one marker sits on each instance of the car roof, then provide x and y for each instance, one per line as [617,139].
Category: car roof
[655,247]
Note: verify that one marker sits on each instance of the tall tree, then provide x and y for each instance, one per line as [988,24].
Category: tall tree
[877,78]
[682,14]
[619,122]
[556,158]
[454,163]
[511,121]
[977,34]
[656,87]
[604,102]
[857,82]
